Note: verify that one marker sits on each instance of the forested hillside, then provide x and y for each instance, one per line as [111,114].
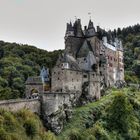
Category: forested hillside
[116,116]
[17,62]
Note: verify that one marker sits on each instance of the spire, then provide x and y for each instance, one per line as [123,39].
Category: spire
[78,28]
[90,30]
[69,30]
[90,25]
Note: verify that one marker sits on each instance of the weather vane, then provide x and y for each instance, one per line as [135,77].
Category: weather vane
[89,13]
[75,17]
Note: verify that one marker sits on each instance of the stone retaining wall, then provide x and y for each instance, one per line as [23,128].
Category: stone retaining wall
[17,104]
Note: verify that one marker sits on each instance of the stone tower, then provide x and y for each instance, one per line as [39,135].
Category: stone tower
[74,37]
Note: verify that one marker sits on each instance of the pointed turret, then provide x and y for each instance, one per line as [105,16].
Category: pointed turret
[90,25]
[69,30]
[90,31]
[78,28]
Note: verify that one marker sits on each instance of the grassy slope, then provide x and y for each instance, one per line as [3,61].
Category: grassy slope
[82,113]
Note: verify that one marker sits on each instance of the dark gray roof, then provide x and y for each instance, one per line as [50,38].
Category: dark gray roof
[34,80]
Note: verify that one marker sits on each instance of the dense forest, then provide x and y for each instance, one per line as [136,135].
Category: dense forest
[17,62]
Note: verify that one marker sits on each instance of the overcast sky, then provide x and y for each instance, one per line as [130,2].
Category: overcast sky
[43,22]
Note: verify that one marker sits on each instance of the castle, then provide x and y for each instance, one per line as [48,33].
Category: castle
[91,61]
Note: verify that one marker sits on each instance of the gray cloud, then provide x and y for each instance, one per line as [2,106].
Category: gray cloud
[42,22]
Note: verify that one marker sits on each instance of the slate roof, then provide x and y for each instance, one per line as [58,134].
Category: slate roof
[34,80]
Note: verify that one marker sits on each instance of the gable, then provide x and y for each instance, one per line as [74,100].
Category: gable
[84,49]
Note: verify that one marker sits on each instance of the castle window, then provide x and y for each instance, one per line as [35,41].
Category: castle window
[72,80]
[54,73]
[58,78]
[110,65]
[85,76]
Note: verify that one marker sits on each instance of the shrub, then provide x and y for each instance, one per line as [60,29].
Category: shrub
[91,137]
[25,114]
[121,114]
[4,135]
[10,123]
[99,132]
[74,135]
[48,136]
[30,127]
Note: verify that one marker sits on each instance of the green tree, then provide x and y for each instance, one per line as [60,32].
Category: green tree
[121,115]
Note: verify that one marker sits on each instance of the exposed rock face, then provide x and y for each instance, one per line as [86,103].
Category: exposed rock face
[57,109]
[120,84]
[56,120]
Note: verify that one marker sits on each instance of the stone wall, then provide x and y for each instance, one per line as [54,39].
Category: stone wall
[73,81]
[15,105]
[30,87]
[66,80]
[57,79]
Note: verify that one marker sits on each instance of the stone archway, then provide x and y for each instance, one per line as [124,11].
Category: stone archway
[33,90]
[34,93]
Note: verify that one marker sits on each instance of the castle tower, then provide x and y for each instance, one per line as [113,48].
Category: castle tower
[69,30]
[90,31]
[74,38]
[78,28]
[120,67]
